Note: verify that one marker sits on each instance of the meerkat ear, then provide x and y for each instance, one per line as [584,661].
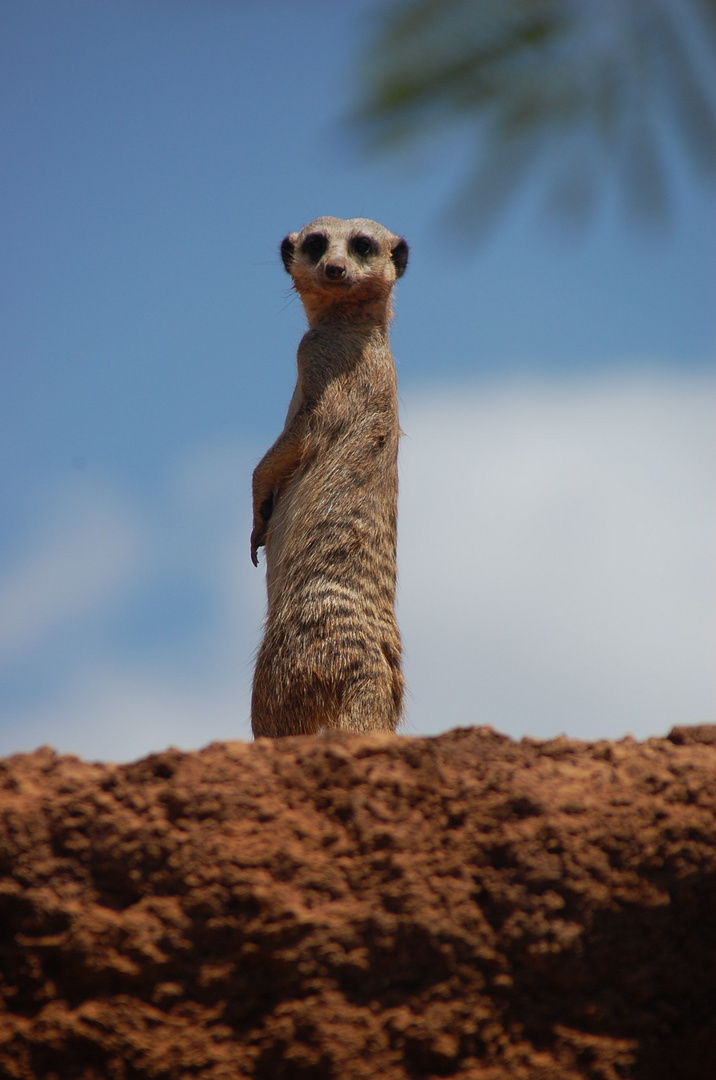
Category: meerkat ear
[288,247]
[399,254]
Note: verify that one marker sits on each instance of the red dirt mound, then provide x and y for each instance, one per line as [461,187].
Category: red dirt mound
[362,907]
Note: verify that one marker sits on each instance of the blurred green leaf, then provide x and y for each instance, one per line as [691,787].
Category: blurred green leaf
[584,87]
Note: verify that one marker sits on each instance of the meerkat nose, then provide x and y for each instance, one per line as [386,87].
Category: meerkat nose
[335,271]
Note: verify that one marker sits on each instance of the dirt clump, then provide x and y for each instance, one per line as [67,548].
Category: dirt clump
[362,907]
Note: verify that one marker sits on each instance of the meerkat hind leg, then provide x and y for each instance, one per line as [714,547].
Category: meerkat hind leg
[297,709]
[368,706]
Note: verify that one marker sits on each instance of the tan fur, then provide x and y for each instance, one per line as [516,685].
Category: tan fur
[325,496]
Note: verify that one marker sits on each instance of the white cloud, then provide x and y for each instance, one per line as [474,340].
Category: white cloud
[94,553]
[124,712]
[84,553]
[557,556]
[557,573]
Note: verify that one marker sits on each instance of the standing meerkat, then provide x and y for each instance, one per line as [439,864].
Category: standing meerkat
[325,496]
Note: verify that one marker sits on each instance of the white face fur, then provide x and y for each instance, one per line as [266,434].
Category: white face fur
[334,261]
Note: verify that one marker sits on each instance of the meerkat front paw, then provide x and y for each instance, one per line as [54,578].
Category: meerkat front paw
[258,533]
[258,539]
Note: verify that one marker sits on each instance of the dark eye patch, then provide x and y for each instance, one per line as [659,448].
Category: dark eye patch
[362,245]
[314,246]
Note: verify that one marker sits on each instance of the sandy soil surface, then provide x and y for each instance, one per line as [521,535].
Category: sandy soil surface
[362,907]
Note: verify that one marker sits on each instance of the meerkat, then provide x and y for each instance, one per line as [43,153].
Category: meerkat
[325,496]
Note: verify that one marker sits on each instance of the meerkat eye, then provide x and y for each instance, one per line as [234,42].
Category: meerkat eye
[362,245]
[314,246]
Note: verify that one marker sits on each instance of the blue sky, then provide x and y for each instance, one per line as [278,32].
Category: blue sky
[558,388]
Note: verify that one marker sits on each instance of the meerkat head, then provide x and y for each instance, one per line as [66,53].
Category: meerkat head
[336,262]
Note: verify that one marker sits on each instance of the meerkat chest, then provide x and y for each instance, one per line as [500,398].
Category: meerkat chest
[347,388]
